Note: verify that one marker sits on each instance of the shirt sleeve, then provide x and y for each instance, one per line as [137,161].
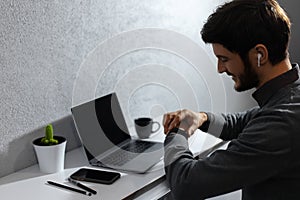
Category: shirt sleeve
[227,127]
[254,156]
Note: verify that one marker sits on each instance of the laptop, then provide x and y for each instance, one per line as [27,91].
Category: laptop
[106,140]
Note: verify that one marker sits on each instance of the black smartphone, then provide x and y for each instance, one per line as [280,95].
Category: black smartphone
[96,176]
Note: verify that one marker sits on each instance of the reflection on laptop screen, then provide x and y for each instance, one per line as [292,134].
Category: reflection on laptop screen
[100,124]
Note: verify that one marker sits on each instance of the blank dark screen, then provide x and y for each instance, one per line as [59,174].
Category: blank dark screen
[100,124]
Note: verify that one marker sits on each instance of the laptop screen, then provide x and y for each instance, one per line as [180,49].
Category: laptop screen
[100,124]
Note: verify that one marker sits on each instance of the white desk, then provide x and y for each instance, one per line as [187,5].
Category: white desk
[31,184]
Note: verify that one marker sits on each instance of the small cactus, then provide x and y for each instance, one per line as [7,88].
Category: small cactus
[48,139]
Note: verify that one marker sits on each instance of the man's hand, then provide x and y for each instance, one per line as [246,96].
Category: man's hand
[186,120]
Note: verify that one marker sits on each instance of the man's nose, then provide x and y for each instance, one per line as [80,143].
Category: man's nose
[221,68]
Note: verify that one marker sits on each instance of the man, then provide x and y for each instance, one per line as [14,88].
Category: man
[250,40]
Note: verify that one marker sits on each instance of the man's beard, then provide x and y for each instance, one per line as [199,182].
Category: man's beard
[248,79]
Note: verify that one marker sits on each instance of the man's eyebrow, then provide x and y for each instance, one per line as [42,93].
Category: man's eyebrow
[221,56]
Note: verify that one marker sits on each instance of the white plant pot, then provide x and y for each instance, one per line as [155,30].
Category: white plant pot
[51,159]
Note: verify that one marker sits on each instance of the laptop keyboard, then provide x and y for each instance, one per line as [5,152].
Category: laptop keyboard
[127,153]
[137,146]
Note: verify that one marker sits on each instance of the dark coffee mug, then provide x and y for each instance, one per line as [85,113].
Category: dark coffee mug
[144,127]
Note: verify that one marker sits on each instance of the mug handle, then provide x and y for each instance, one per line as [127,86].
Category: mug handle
[158,127]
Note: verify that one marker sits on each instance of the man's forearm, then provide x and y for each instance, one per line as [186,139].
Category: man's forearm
[214,124]
[176,150]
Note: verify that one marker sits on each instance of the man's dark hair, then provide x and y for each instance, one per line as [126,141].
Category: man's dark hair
[239,25]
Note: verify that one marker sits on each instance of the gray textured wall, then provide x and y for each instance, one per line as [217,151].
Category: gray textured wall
[55,54]
[292,8]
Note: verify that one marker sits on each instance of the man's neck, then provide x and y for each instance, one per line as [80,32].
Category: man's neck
[269,71]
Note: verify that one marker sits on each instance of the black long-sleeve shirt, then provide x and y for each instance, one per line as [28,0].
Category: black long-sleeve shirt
[263,157]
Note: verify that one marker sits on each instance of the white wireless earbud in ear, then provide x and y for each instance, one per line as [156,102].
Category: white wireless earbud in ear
[258,59]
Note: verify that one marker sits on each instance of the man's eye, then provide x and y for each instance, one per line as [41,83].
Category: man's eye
[223,59]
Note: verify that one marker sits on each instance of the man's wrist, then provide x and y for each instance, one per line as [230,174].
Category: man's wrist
[180,131]
[204,125]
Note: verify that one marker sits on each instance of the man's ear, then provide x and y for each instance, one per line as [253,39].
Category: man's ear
[261,53]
